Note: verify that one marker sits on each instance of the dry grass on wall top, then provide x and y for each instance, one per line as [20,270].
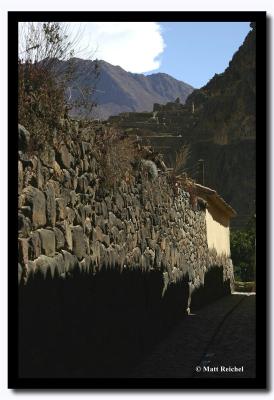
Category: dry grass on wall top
[115,154]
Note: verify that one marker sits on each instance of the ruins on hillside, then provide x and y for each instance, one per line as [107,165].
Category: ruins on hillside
[173,125]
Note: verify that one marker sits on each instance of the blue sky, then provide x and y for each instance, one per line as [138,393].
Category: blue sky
[189,51]
[195,51]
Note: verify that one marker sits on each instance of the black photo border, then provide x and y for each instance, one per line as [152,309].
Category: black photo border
[261,381]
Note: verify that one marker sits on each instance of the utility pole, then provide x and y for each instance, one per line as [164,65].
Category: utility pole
[201,164]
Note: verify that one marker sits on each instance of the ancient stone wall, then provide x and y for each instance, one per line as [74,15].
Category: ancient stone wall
[68,222]
[104,274]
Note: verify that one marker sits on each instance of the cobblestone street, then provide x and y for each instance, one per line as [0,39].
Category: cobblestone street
[218,341]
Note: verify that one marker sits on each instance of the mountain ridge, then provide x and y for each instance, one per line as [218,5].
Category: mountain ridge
[117,90]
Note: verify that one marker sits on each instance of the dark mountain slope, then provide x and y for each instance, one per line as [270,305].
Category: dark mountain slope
[226,116]
[225,107]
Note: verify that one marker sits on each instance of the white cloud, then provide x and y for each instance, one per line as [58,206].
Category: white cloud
[134,46]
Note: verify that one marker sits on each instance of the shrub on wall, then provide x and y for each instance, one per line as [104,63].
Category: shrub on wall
[41,103]
[43,84]
[41,97]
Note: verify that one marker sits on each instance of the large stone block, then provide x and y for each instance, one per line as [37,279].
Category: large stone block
[24,225]
[82,185]
[50,202]
[66,229]
[36,200]
[67,181]
[86,164]
[61,212]
[64,157]
[47,238]
[59,238]
[78,242]
[70,215]
[87,226]
[82,214]
[23,138]
[65,194]
[39,178]
[35,245]
[78,217]
[73,198]
[58,173]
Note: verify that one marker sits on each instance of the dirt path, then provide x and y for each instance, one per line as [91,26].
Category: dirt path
[218,341]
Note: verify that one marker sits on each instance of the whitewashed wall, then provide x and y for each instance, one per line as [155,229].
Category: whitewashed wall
[217,233]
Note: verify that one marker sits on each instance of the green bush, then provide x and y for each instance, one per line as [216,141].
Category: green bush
[243,251]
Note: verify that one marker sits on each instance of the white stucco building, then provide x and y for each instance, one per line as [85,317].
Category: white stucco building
[218,215]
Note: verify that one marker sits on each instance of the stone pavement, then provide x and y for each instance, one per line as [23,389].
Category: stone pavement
[218,340]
